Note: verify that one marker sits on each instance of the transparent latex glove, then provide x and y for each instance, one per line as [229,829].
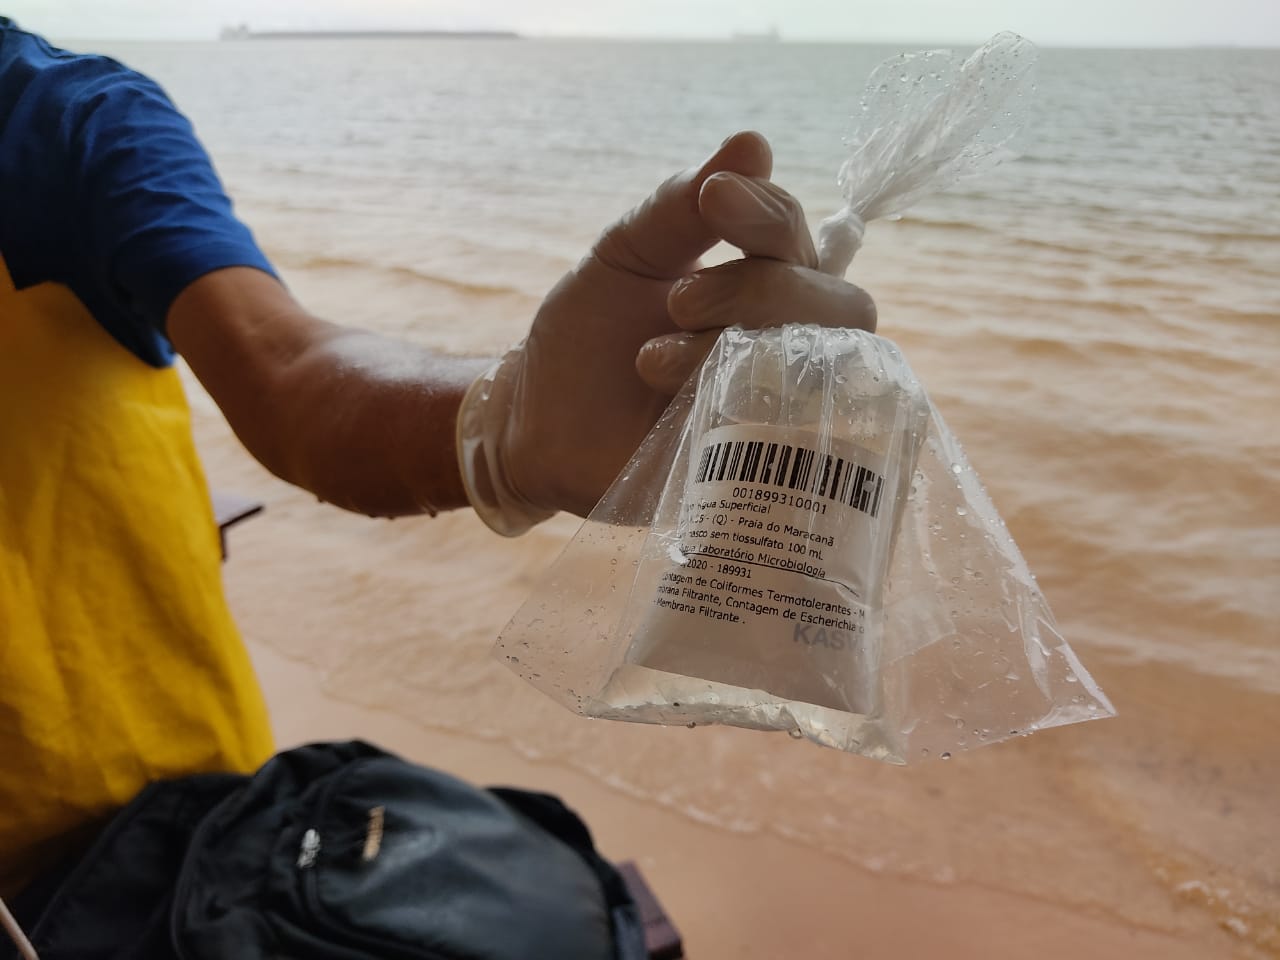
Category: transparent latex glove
[551,424]
[776,282]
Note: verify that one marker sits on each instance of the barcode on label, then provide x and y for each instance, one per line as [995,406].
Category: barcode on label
[792,468]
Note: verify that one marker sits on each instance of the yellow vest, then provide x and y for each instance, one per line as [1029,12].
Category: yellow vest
[119,662]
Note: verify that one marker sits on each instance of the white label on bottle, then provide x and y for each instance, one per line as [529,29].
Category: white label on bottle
[775,560]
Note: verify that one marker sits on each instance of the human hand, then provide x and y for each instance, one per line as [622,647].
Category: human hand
[553,423]
[777,282]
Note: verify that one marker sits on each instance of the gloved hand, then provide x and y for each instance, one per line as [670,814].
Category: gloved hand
[553,422]
[777,282]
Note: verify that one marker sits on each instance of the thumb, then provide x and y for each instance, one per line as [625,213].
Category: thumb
[663,237]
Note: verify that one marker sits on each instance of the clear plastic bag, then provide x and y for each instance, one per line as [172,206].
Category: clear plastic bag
[925,121]
[800,544]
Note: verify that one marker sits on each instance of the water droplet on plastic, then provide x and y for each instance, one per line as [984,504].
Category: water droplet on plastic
[946,755]
[796,734]
[924,752]
[691,724]
[956,469]
[962,512]
[959,723]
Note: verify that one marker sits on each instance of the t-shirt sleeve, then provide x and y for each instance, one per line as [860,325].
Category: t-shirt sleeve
[111,193]
[156,216]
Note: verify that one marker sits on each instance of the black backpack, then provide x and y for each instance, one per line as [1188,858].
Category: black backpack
[340,852]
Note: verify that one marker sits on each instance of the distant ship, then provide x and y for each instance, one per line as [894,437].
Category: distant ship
[242,32]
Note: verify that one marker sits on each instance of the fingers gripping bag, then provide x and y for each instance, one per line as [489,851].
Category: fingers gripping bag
[800,543]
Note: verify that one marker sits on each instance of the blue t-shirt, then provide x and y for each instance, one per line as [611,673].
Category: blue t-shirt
[105,189]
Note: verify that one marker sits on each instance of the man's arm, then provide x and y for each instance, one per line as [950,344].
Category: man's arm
[369,423]
[361,421]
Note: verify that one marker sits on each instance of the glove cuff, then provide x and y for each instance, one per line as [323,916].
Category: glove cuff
[482,418]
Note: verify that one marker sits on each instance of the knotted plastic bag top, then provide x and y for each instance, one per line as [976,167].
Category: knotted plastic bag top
[925,121]
[800,543]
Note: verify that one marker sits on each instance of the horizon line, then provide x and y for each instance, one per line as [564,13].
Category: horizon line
[742,39]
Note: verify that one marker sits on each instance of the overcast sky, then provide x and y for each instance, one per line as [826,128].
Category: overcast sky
[1047,22]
